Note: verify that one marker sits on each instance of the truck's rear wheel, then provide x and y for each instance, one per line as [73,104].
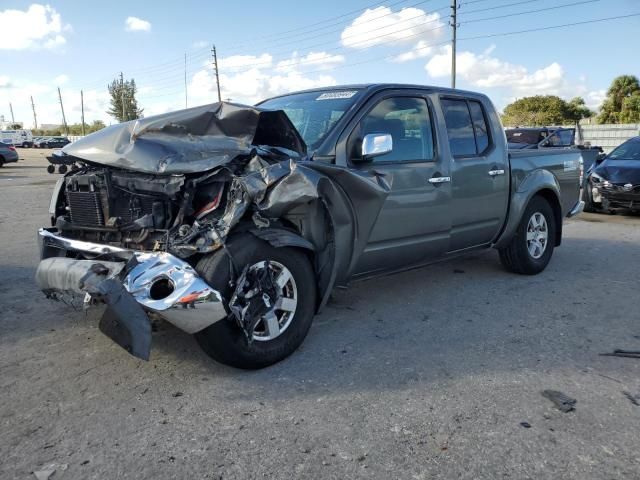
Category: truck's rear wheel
[278,334]
[532,245]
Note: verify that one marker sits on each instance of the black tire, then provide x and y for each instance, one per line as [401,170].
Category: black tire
[225,341]
[516,256]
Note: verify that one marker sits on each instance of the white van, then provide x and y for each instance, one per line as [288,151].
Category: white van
[17,138]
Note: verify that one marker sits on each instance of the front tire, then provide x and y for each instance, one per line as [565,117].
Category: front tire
[532,245]
[225,341]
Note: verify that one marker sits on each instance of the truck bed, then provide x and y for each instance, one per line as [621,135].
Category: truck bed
[564,164]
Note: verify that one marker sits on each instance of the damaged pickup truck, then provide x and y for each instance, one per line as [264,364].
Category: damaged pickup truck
[234,223]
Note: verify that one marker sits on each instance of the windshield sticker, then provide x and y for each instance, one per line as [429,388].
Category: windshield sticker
[337,95]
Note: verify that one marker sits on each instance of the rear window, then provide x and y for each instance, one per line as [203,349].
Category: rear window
[528,137]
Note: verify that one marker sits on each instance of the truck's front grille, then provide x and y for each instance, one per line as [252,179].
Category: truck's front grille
[85,208]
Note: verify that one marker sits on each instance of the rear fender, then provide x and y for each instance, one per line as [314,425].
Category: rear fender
[539,182]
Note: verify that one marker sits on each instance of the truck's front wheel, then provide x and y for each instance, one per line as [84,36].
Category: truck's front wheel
[280,332]
[532,245]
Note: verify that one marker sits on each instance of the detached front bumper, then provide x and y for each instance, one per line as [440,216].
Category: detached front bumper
[132,284]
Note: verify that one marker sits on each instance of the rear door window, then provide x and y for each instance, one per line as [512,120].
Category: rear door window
[467,127]
[479,126]
[459,127]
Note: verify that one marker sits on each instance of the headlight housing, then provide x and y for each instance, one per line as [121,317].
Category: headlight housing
[597,180]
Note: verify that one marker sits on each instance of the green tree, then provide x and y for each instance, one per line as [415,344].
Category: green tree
[543,110]
[577,110]
[124,105]
[15,126]
[618,107]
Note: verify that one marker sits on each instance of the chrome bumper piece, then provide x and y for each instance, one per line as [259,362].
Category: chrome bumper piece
[158,281]
[578,208]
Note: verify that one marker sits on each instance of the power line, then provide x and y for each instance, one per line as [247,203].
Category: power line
[555,7]
[477,37]
[497,7]
[373,19]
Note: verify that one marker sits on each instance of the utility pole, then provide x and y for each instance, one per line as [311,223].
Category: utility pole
[454,25]
[185,80]
[64,119]
[82,110]
[215,66]
[35,120]
[13,120]
[124,118]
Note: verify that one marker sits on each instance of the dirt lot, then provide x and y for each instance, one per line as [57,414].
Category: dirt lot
[426,374]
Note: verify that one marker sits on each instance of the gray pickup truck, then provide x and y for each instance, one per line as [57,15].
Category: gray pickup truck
[234,223]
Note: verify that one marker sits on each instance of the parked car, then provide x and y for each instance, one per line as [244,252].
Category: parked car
[235,223]
[613,181]
[540,137]
[37,142]
[8,154]
[53,142]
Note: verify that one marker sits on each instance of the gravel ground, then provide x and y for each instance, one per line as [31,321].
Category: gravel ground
[421,375]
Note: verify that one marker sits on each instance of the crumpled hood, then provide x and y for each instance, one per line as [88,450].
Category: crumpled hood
[189,141]
[620,171]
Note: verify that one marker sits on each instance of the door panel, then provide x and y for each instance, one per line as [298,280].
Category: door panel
[413,225]
[479,174]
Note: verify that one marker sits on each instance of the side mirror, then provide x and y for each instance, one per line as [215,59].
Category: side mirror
[376,144]
[601,157]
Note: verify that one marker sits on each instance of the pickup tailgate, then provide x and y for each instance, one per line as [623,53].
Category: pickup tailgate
[564,164]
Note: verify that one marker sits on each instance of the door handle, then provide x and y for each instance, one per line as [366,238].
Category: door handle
[439,179]
[495,173]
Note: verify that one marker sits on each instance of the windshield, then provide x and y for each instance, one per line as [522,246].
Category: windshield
[314,113]
[627,151]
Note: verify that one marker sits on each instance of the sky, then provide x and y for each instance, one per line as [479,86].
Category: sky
[269,48]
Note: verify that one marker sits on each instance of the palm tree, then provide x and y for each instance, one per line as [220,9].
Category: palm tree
[621,88]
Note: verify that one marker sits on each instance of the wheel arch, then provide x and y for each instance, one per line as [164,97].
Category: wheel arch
[540,183]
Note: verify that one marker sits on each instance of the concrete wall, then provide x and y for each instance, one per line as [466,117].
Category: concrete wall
[607,136]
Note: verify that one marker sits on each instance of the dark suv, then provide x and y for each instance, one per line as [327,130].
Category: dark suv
[55,142]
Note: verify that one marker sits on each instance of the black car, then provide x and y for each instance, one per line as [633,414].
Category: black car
[54,142]
[613,182]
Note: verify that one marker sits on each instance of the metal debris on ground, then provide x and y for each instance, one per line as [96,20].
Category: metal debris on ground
[622,353]
[562,402]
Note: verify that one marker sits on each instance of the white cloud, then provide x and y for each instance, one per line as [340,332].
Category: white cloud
[200,44]
[317,60]
[593,99]
[240,62]
[61,79]
[135,24]
[252,78]
[382,26]
[5,82]
[420,50]
[45,97]
[485,71]
[40,26]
